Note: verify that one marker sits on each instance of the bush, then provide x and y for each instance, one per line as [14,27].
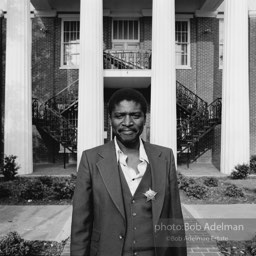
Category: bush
[196,190]
[4,191]
[63,189]
[253,164]
[211,182]
[241,171]
[253,247]
[233,191]
[13,245]
[184,182]
[46,180]
[10,168]
[33,189]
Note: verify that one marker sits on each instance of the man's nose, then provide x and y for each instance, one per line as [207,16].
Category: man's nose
[128,121]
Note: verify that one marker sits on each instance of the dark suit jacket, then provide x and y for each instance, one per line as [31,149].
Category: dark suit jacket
[98,221]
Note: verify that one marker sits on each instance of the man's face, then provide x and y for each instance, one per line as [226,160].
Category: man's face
[127,121]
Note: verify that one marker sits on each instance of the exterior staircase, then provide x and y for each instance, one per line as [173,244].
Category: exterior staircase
[195,118]
[57,116]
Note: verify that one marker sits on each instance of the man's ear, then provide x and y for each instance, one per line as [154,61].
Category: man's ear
[145,119]
[109,120]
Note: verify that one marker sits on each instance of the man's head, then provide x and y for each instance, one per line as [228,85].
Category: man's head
[127,111]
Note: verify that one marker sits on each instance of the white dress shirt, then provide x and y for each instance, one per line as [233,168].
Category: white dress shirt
[133,177]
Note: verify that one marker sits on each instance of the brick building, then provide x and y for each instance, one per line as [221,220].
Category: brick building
[60,62]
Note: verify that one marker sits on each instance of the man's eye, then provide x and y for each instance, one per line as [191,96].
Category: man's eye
[136,116]
[118,116]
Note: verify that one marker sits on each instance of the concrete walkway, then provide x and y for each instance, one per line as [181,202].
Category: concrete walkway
[52,222]
[40,222]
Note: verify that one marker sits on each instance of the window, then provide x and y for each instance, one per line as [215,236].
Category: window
[70,42]
[126,30]
[182,40]
[221,42]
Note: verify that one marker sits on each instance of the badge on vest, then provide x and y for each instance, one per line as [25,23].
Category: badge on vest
[150,194]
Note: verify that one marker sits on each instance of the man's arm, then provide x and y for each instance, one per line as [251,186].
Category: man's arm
[180,249]
[82,218]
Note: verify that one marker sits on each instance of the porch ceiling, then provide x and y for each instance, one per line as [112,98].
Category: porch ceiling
[182,6]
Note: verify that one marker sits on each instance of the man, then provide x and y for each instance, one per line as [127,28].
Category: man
[126,190]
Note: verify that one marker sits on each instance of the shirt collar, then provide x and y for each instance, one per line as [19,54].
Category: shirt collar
[142,152]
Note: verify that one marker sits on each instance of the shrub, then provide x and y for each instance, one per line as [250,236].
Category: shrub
[4,191]
[33,189]
[253,247]
[46,180]
[13,245]
[211,182]
[253,164]
[196,190]
[184,182]
[10,167]
[233,191]
[241,171]
[63,189]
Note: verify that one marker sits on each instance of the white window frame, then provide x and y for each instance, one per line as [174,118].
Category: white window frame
[62,66]
[221,20]
[125,40]
[188,65]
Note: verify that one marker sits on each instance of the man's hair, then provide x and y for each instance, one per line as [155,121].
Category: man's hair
[128,94]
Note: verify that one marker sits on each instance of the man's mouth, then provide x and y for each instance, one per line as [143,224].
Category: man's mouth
[127,132]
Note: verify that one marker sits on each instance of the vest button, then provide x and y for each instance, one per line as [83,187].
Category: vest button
[134,242]
[121,237]
[134,214]
[134,228]
[133,201]
[135,253]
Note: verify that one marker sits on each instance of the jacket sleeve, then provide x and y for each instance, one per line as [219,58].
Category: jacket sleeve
[176,213]
[82,217]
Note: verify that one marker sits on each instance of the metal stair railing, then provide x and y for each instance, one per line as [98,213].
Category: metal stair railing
[64,99]
[192,130]
[54,124]
[189,101]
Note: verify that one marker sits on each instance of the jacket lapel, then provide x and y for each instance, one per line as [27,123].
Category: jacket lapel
[108,169]
[158,171]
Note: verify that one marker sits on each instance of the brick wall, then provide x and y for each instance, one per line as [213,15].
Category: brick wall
[146,33]
[47,78]
[204,77]
[187,77]
[252,79]
[107,32]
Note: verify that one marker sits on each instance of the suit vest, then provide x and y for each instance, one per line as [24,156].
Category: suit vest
[139,225]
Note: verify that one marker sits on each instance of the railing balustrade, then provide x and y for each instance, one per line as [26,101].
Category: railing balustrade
[127,59]
[189,101]
[64,99]
[192,129]
[53,123]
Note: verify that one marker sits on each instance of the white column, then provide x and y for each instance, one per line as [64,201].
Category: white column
[18,109]
[90,107]
[163,81]
[235,87]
